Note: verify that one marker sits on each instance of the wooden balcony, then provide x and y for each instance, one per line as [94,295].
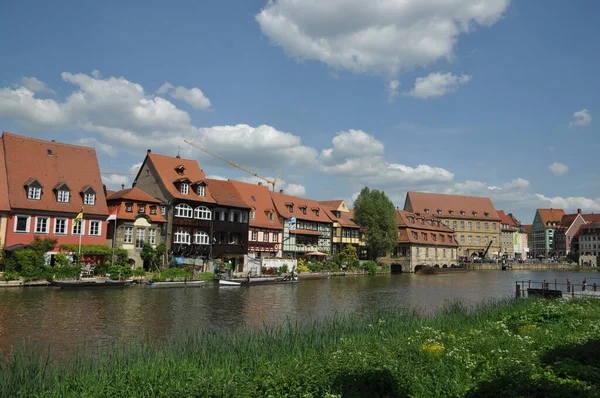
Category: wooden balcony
[229,226]
[191,222]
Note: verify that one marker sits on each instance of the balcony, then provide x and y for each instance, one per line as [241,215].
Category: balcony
[223,249]
[229,226]
[191,222]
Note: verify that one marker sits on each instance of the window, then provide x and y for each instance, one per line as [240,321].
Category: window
[415,235]
[141,209]
[60,226]
[152,236]
[470,224]
[462,239]
[34,193]
[265,236]
[275,237]
[89,199]
[487,240]
[183,237]
[183,210]
[451,212]
[469,239]
[442,238]
[486,226]
[153,210]
[139,238]
[462,212]
[185,188]
[77,227]
[163,210]
[411,220]
[475,214]
[426,211]
[477,225]
[316,211]
[201,238]
[202,213]
[478,240]
[424,235]
[201,190]
[254,236]
[252,214]
[63,196]
[450,238]
[128,238]
[95,228]
[303,210]
[41,225]
[439,211]
[290,208]
[433,237]
[129,207]
[271,217]
[462,225]
[494,226]
[454,225]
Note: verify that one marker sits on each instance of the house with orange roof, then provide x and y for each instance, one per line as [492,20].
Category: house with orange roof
[513,239]
[473,218]
[306,226]
[345,230]
[4,203]
[589,243]
[543,232]
[48,185]
[423,240]
[567,236]
[202,225]
[265,234]
[135,219]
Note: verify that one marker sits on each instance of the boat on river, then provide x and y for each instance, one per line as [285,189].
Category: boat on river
[157,284]
[87,283]
[258,281]
[429,270]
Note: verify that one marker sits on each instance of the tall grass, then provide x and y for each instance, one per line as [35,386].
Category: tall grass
[460,351]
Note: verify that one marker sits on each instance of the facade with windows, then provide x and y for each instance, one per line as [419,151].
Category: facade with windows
[139,221]
[589,244]
[546,224]
[345,230]
[206,219]
[513,239]
[48,184]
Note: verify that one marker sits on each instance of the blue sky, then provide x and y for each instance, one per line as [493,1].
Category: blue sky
[484,97]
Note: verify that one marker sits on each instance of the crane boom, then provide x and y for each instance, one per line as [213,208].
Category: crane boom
[236,165]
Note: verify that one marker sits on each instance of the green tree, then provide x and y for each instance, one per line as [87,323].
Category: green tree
[153,256]
[42,245]
[348,258]
[377,214]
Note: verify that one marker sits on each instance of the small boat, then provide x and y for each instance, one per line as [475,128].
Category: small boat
[155,284]
[429,270]
[258,281]
[225,282]
[82,283]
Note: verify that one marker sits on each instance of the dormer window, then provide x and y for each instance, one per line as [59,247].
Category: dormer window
[63,196]
[302,209]
[486,214]
[462,212]
[201,190]
[439,211]
[153,210]
[316,211]
[290,207]
[271,217]
[336,213]
[475,214]
[451,212]
[129,207]
[253,213]
[411,220]
[141,209]
[415,235]
[89,196]
[163,210]
[426,211]
[180,170]
[184,188]
[421,221]
[34,193]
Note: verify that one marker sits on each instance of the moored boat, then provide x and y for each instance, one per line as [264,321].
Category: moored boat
[225,282]
[429,270]
[156,284]
[93,282]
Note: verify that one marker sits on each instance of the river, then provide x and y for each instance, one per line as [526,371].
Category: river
[68,320]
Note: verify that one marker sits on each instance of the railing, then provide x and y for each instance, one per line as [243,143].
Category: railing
[556,289]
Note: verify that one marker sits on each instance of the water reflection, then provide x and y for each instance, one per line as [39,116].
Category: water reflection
[69,320]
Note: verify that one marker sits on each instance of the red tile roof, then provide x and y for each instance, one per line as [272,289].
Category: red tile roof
[431,227]
[123,214]
[440,205]
[225,194]
[332,204]
[509,219]
[133,194]
[594,224]
[257,197]
[280,200]
[527,228]
[165,167]
[346,217]
[52,163]
[4,203]
[550,215]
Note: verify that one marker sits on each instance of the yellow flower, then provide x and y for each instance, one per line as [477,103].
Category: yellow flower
[432,348]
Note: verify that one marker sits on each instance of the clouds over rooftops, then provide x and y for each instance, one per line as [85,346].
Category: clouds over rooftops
[437,84]
[581,118]
[558,168]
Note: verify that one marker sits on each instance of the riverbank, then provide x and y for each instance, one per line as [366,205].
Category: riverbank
[507,348]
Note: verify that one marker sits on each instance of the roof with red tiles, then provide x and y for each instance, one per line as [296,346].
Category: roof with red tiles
[332,207]
[52,164]
[4,202]
[550,215]
[312,207]
[133,194]
[173,169]
[509,219]
[257,197]
[225,194]
[332,204]
[527,228]
[428,230]
[592,225]
[451,206]
[122,214]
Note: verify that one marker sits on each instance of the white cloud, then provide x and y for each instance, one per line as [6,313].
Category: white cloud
[288,188]
[392,89]
[570,204]
[558,168]
[119,113]
[581,118]
[193,96]
[99,146]
[437,84]
[33,84]
[351,144]
[217,177]
[381,37]
[135,168]
[115,181]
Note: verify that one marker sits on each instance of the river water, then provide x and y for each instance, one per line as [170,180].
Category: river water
[68,320]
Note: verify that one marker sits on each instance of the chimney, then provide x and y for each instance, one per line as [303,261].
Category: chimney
[281,191]
[49,152]
[578,211]
[149,151]
[122,186]
[104,189]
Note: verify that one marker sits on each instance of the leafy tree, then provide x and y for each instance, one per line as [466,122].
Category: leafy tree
[42,245]
[153,256]
[348,258]
[377,214]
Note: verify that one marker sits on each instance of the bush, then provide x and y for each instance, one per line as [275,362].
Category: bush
[370,267]
[302,267]
[174,273]
[10,276]
[120,272]
[66,272]
[31,263]
[139,272]
[283,269]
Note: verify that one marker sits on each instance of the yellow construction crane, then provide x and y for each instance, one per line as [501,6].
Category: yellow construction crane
[236,165]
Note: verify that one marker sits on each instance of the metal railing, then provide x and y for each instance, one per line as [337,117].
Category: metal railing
[586,287]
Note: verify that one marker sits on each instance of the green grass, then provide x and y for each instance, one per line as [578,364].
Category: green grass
[503,349]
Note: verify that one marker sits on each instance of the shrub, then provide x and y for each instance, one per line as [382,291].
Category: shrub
[120,272]
[283,269]
[370,267]
[10,276]
[173,274]
[31,263]
[66,272]
[302,267]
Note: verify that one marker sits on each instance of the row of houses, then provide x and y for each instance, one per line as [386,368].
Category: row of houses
[44,185]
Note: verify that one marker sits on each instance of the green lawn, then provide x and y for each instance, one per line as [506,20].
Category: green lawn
[505,349]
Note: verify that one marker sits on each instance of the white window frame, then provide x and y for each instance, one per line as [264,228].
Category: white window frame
[56,220]
[34,193]
[201,238]
[89,199]
[163,210]
[184,188]
[26,225]
[99,224]
[201,190]
[152,236]
[252,214]
[266,236]
[128,236]
[254,236]
[63,196]
[183,210]
[202,213]
[140,236]
[182,237]
[275,237]
[47,229]
[81,229]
